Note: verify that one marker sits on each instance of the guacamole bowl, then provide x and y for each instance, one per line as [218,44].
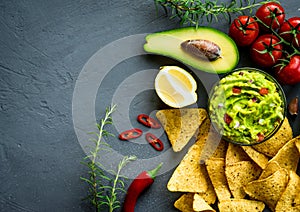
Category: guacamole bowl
[247,106]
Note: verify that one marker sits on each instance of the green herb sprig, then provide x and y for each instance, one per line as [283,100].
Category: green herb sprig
[103,190]
[194,12]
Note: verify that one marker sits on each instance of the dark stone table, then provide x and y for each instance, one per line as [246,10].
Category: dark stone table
[45,49]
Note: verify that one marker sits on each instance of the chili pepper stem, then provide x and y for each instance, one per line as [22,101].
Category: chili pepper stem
[153,173]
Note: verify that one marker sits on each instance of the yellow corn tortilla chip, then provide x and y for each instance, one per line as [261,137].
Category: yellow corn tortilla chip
[272,146]
[210,142]
[288,156]
[189,176]
[204,129]
[287,200]
[185,202]
[210,195]
[235,153]
[260,159]
[212,145]
[297,199]
[297,143]
[240,174]
[216,171]
[205,133]
[270,189]
[271,168]
[199,204]
[221,150]
[241,205]
[181,125]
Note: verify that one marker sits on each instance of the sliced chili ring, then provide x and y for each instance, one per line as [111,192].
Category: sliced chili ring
[155,142]
[130,134]
[148,121]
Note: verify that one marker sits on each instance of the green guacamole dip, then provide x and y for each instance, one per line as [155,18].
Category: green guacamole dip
[246,106]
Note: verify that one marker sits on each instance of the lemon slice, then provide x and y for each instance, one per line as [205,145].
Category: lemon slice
[175,86]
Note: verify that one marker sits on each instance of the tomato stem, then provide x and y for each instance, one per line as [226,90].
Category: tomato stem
[294,49]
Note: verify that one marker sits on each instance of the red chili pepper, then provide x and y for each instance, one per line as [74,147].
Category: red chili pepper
[138,185]
[148,121]
[155,142]
[130,134]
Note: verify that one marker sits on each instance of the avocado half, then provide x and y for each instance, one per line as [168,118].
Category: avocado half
[168,43]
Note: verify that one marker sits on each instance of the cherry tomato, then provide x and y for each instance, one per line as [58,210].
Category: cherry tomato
[244,30]
[272,14]
[289,73]
[265,51]
[290,31]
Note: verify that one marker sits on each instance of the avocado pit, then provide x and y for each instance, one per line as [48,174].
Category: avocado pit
[201,48]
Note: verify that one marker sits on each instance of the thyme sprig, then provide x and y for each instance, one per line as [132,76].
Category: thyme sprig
[194,12]
[103,190]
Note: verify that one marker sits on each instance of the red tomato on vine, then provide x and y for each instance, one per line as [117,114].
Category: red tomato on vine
[290,31]
[244,30]
[289,71]
[272,14]
[266,50]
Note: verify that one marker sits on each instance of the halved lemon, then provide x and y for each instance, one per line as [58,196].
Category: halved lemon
[175,86]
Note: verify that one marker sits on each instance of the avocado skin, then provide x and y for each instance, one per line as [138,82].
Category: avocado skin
[168,43]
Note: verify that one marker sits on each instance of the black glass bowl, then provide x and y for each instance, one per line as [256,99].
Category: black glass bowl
[250,105]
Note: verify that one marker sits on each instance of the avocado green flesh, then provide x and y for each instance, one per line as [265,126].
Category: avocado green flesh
[252,113]
[168,43]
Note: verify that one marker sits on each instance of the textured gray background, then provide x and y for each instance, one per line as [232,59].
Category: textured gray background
[43,47]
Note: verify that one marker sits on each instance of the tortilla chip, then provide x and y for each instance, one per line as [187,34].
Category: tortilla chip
[180,125]
[260,159]
[205,132]
[221,150]
[270,189]
[185,202]
[297,143]
[235,153]
[270,169]
[272,146]
[199,204]
[207,141]
[204,129]
[189,176]
[238,205]
[288,156]
[297,199]
[216,171]
[210,195]
[212,145]
[287,200]
[240,174]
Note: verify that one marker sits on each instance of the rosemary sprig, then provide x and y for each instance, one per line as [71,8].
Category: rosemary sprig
[112,201]
[103,190]
[194,12]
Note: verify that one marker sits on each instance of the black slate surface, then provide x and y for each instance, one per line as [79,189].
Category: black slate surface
[44,47]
